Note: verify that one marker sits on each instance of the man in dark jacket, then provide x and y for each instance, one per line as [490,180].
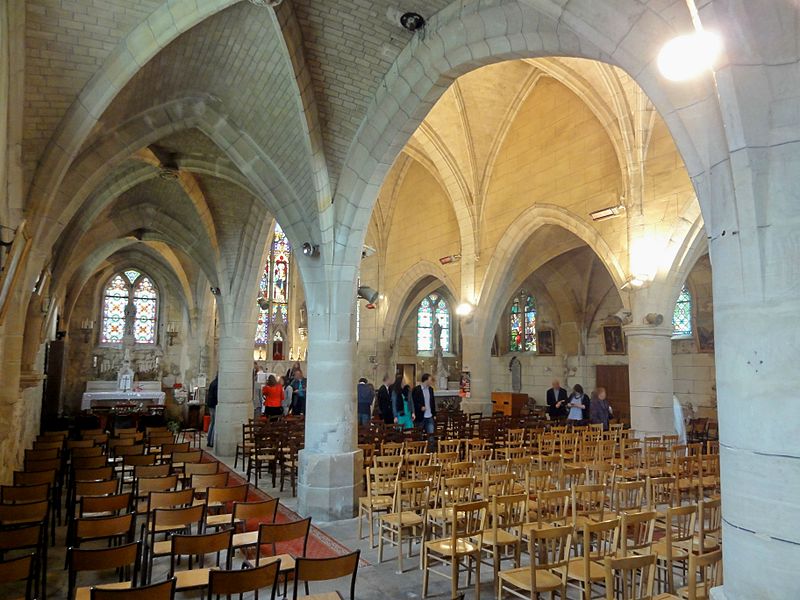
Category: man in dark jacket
[211,406]
[424,404]
[365,397]
[385,401]
[556,401]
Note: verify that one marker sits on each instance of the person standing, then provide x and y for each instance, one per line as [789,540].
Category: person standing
[211,405]
[399,405]
[385,401]
[273,397]
[576,405]
[556,401]
[365,397]
[425,404]
[599,409]
[287,395]
[298,393]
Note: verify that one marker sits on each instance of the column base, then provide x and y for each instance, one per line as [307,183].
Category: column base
[228,422]
[329,485]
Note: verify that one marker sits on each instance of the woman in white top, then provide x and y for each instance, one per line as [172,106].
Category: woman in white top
[576,405]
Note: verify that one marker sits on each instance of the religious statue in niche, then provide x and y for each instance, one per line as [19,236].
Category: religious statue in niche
[442,372]
[130,318]
[515,366]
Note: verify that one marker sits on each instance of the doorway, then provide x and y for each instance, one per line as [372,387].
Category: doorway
[615,379]
[408,372]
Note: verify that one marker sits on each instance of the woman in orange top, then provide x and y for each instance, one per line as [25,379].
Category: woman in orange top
[273,397]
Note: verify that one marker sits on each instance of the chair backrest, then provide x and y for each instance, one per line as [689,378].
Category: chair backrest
[72,444]
[169,499]
[705,572]
[381,480]
[42,454]
[150,470]
[30,512]
[630,578]
[93,474]
[200,545]
[201,483]
[588,501]
[538,480]
[101,559]
[709,513]
[680,522]
[661,492]
[456,489]
[177,518]
[412,496]
[243,581]
[549,549]
[628,496]
[15,494]
[35,478]
[157,591]
[96,528]
[18,569]
[600,539]
[190,457]
[273,533]
[391,448]
[468,523]
[168,449]
[389,460]
[236,493]
[85,451]
[200,468]
[142,460]
[145,485]
[509,513]
[113,503]
[325,569]
[121,450]
[465,468]
[552,507]
[45,445]
[96,488]
[34,466]
[21,536]
[263,509]
[636,531]
[82,463]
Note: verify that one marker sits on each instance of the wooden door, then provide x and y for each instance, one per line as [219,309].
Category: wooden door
[615,379]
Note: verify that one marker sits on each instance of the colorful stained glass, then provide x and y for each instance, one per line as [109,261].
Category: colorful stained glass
[682,317]
[145,299]
[515,335]
[530,324]
[115,299]
[274,287]
[132,275]
[432,306]
[522,324]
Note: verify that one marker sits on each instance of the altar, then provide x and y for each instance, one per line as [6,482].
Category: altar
[106,394]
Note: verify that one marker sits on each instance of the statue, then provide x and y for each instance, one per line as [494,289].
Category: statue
[130,318]
[441,369]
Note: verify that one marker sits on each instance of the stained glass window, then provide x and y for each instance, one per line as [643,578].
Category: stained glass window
[115,299]
[522,324]
[273,288]
[145,299]
[682,317]
[129,287]
[433,306]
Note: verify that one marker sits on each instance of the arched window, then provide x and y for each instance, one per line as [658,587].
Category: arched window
[273,289]
[522,323]
[129,295]
[682,317]
[433,306]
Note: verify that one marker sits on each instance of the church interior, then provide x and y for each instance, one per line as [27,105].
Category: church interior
[369,299]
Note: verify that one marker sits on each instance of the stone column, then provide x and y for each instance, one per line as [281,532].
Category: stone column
[235,385]
[650,377]
[329,483]
[477,359]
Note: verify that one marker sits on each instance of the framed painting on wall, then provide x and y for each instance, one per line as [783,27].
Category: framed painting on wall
[613,339]
[12,270]
[545,342]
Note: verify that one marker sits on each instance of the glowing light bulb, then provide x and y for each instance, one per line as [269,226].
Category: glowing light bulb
[687,56]
[464,309]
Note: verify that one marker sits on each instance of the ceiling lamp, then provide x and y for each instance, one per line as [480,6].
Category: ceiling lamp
[687,56]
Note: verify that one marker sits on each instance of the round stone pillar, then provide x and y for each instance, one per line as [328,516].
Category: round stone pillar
[650,378]
[330,477]
[235,387]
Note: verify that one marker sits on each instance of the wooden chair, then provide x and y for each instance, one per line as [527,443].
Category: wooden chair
[549,549]
[21,568]
[21,494]
[463,544]
[223,498]
[636,532]
[628,496]
[630,578]
[144,486]
[504,533]
[588,504]
[198,545]
[392,449]
[675,547]
[661,493]
[452,491]
[598,541]
[108,529]
[168,521]
[709,525]
[28,537]
[201,483]
[247,444]
[243,581]
[552,510]
[407,519]
[105,506]
[326,569]
[705,573]
[276,533]
[81,560]
[157,591]
[380,488]
[262,510]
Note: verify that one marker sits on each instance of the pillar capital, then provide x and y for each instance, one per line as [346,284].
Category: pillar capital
[659,331]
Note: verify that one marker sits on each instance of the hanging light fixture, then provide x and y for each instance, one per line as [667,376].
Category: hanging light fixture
[688,55]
